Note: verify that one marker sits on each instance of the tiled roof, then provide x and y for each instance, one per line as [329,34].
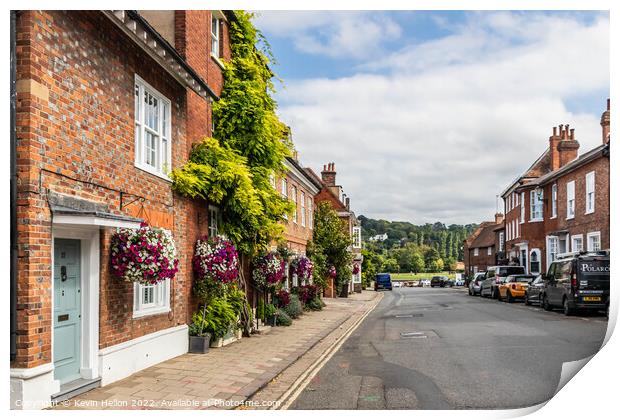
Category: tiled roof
[486,237]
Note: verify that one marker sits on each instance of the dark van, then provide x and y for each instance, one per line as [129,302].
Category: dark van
[383,281]
[578,281]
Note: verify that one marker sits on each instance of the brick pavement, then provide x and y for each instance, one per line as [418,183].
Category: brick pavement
[233,373]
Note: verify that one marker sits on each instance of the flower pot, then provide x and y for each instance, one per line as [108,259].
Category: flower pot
[199,345]
[272,320]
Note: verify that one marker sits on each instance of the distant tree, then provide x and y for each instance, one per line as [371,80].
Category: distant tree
[436,266]
[417,262]
[390,265]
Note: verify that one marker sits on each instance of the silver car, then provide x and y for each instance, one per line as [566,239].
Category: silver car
[475,283]
[496,275]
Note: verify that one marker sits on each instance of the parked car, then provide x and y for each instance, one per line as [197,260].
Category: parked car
[534,291]
[396,284]
[578,281]
[459,282]
[439,281]
[426,283]
[383,281]
[496,275]
[474,284]
[414,283]
[514,287]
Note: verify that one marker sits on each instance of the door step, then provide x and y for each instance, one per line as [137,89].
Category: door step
[74,388]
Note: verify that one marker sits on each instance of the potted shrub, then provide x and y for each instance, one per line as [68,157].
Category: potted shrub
[199,337]
[271,314]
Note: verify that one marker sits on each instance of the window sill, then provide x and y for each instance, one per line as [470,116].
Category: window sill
[150,312]
[570,218]
[536,220]
[152,171]
[217,61]
[589,212]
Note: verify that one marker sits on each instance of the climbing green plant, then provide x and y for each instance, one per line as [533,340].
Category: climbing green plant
[234,169]
[330,246]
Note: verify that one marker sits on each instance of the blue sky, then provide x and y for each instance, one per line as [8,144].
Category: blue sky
[428,115]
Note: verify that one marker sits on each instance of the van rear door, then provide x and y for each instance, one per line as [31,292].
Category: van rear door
[593,274]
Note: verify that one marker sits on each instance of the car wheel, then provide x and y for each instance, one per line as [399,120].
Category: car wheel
[494,294]
[545,303]
[509,297]
[469,291]
[567,309]
[526,300]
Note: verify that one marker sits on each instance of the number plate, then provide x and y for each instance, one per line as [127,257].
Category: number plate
[592,299]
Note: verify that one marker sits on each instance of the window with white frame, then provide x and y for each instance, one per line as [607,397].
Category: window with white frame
[535,261]
[594,241]
[475,252]
[357,237]
[522,216]
[489,251]
[570,200]
[215,36]
[151,299]
[508,233]
[554,200]
[516,229]
[516,199]
[536,205]
[475,269]
[310,213]
[214,215]
[152,129]
[501,241]
[552,244]
[284,188]
[577,243]
[303,208]
[590,192]
[294,198]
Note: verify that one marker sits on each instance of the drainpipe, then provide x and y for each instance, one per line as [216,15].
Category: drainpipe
[13,194]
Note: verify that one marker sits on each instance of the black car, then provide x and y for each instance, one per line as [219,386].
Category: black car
[439,281]
[579,281]
[534,291]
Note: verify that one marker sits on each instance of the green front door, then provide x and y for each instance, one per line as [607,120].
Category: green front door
[67,305]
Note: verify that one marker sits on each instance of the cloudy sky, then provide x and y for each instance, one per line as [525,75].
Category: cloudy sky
[429,115]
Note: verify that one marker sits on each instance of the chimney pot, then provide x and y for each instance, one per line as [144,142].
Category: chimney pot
[572,134]
[608,104]
[555,131]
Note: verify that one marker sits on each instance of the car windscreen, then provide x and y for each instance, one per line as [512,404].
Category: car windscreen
[507,271]
[515,279]
[594,269]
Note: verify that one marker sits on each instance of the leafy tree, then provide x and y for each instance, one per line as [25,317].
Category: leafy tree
[417,262]
[436,265]
[431,256]
[331,242]
[234,171]
[369,269]
[390,265]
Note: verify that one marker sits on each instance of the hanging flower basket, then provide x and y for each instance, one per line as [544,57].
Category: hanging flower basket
[356,268]
[303,267]
[146,255]
[268,269]
[216,259]
[332,272]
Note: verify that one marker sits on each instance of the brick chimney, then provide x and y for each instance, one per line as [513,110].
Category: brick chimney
[499,218]
[605,124]
[329,174]
[562,146]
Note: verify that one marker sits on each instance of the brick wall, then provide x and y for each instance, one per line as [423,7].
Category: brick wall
[75,135]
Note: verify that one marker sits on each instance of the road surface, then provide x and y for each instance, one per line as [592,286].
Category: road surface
[435,348]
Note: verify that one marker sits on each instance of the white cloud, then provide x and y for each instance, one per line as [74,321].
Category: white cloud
[334,34]
[438,129]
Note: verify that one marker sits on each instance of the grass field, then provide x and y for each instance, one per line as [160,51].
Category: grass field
[411,276]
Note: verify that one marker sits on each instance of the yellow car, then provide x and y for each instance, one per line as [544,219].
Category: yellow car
[514,287]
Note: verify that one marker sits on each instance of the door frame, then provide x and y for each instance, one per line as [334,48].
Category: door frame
[89,294]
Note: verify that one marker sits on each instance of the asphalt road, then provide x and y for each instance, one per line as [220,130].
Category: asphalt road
[432,348]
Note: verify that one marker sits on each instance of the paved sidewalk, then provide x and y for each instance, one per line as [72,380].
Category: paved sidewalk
[226,376]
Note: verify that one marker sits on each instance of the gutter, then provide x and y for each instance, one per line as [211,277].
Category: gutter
[146,37]
[13,199]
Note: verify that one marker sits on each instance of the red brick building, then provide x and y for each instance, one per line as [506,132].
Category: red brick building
[106,103]
[300,188]
[561,203]
[334,194]
[484,247]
